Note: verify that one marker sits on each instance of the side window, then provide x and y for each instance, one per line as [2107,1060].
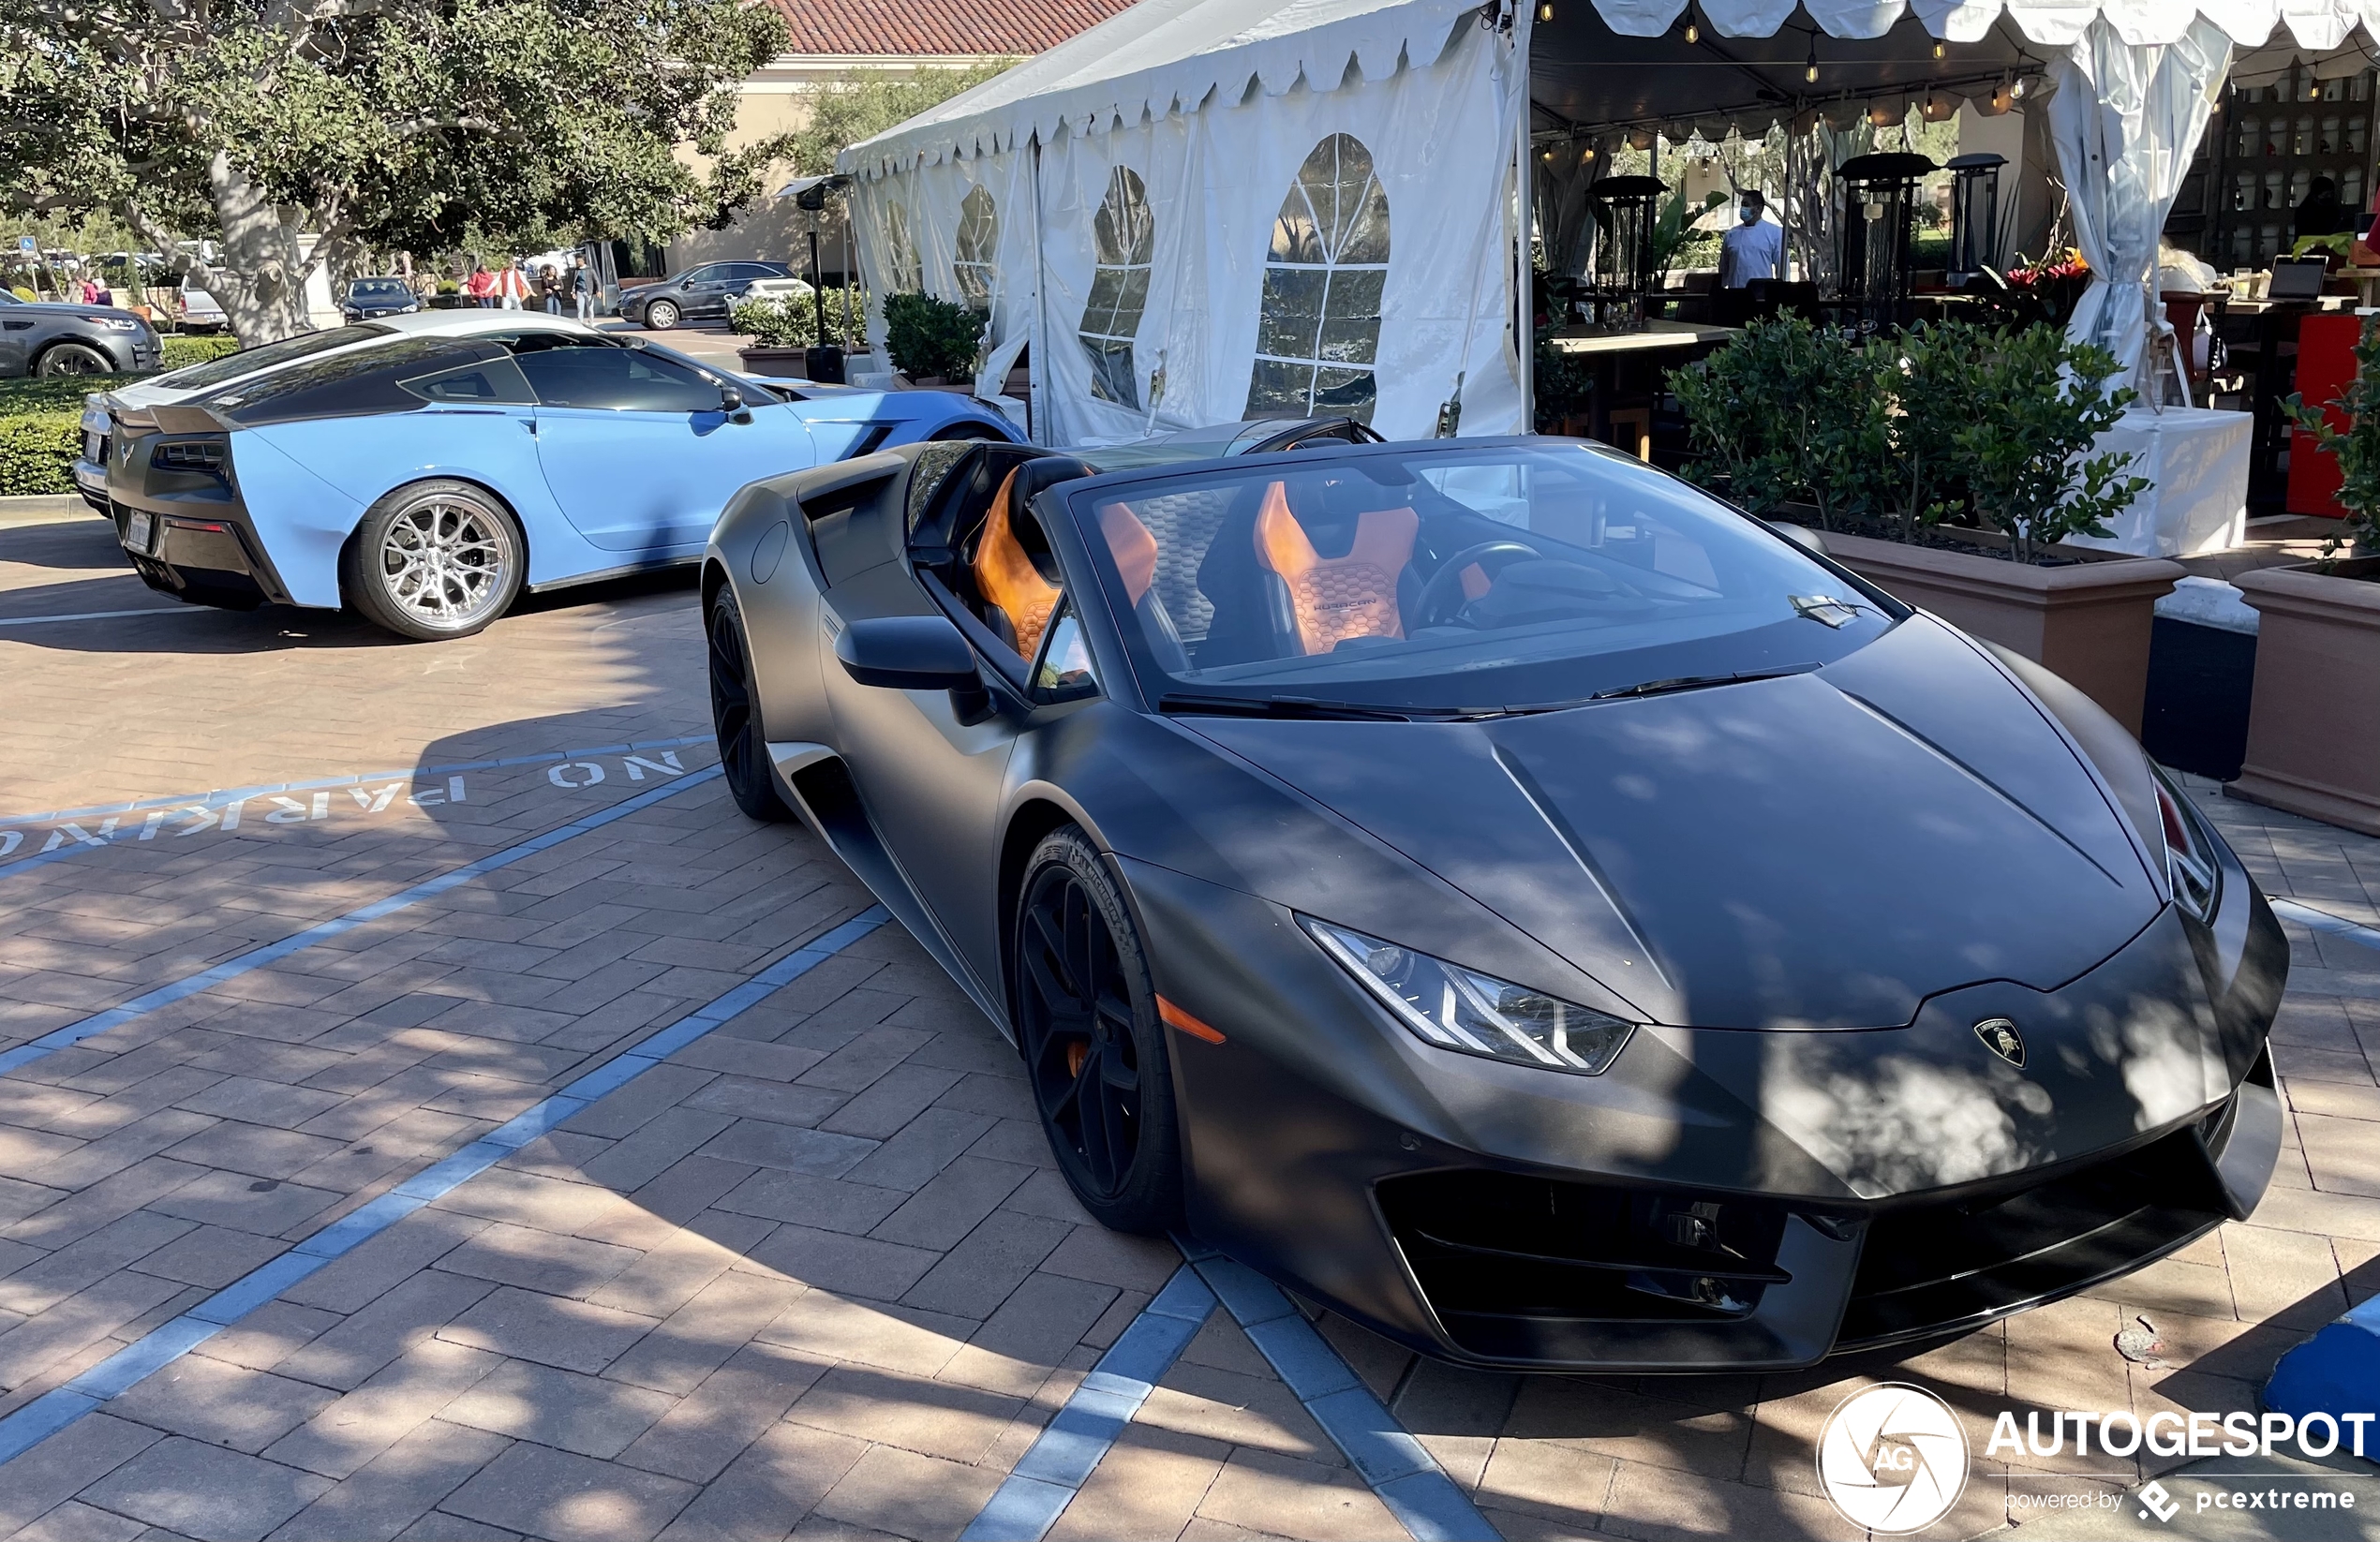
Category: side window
[1124,239]
[617,378]
[978,249]
[708,273]
[1065,672]
[487,383]
[1318,333]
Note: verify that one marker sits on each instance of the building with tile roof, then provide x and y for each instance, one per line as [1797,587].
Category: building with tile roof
[831,41]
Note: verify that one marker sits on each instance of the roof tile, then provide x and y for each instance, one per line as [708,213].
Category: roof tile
[1010,27]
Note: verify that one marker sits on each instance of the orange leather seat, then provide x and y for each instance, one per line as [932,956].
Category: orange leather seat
[1006,576]
[1334,598]
[1132,545]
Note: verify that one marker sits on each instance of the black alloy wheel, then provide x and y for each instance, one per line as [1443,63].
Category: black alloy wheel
[743,751]
[1094,1052]
[64,359]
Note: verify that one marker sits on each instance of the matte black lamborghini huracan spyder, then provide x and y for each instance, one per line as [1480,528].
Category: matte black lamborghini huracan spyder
[1509,896]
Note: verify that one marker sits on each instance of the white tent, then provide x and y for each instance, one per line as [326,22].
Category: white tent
[1203,210]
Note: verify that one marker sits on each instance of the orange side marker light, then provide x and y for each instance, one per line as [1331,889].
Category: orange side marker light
[1182,1020]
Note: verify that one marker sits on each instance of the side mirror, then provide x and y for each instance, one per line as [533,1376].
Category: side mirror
[907,653]
[730,399]
[1800,535]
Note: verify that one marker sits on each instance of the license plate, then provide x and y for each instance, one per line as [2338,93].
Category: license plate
[136,532]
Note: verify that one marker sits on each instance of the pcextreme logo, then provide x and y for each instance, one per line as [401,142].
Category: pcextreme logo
[1892,1459]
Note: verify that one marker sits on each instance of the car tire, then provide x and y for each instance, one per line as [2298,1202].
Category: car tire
[734,714]
[61,359]
[434,560]
[1094,1050]
[662,315]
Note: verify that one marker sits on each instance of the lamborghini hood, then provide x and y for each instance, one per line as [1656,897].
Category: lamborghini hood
[1820,851]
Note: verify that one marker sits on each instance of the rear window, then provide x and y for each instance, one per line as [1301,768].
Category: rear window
[358,382]
[248,361]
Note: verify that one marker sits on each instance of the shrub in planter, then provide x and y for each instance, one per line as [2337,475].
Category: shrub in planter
[1792,412]
[2314,717]
[773,323]
[2040,402]
[928,336]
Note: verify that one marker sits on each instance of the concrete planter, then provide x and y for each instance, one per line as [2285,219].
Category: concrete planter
[784,364]
[2313,726]
[2088,622]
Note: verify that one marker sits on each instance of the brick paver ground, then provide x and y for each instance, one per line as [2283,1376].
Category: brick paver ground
[815,1276]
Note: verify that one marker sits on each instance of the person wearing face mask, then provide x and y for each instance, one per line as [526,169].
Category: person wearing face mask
[1754,249]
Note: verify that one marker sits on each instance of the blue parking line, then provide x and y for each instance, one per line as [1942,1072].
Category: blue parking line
[234,794]
[1408,1478]
[255,959]
[1045,1480]
[38,1420]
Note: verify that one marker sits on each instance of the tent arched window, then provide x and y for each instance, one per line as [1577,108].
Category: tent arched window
[908,276]
[1125,237]
[978,247]
[1319,331]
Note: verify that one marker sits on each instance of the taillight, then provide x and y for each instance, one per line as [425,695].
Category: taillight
[2190,856]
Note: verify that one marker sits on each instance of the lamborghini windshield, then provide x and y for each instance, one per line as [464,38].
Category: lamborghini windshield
[1453,580]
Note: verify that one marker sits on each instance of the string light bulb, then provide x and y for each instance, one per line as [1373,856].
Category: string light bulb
[1586,155]
[1809,70]
[1545,10]
[1693,25]
[2016,89]
[1941,50]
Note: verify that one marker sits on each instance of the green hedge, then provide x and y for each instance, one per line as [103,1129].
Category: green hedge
[197,351]
[39,420]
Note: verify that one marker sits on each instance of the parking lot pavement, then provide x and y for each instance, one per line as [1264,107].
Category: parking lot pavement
[695,1205]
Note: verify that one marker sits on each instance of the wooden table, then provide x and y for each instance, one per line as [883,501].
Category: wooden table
[1608,352]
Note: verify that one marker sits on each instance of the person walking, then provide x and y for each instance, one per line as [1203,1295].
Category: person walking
[583,288]
[512,285]
[480,289]
[549,288]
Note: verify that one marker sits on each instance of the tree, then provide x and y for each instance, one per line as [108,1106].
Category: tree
[373,125]
[854,109]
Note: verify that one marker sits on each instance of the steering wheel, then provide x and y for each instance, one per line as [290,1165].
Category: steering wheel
[1444,592]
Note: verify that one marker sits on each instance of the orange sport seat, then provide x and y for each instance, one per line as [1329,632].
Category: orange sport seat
[1334,598]
[1133,546]
[1006,576]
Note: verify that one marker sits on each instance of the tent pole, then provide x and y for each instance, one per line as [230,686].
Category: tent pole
[1036,395]
[1525,313]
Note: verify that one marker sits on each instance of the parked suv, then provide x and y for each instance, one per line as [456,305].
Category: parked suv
[706,290]
[61,339]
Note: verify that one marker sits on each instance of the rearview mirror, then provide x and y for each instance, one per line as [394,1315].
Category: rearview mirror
[907,653]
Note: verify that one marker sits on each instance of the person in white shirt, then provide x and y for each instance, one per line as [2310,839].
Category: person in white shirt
[1754,249]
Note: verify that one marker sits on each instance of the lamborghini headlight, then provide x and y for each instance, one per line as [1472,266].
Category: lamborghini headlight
[1455,1008]
[2190,865]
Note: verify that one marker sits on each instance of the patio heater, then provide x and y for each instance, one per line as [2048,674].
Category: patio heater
[1879,197]
[1974,215]
[1625,210]
[824,363]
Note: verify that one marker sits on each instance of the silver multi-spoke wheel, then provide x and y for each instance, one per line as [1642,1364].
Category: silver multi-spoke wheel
[445,563]
[437,559]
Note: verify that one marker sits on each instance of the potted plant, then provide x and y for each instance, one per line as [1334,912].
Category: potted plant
[2313,718]
[933,341]
[782,334]
[1946,465]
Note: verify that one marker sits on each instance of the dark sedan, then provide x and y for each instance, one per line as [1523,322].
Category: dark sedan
[1509,897]
[696,293]
[59,339]
[370,299]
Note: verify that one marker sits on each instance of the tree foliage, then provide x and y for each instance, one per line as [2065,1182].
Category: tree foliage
[854,109]
[376,126]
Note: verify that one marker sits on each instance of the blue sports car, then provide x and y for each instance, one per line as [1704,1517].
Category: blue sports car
[428,481]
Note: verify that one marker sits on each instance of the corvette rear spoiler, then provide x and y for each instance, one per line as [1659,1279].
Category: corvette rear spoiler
[178,418]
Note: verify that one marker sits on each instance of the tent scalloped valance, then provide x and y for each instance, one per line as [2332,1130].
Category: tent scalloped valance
[1163,56]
